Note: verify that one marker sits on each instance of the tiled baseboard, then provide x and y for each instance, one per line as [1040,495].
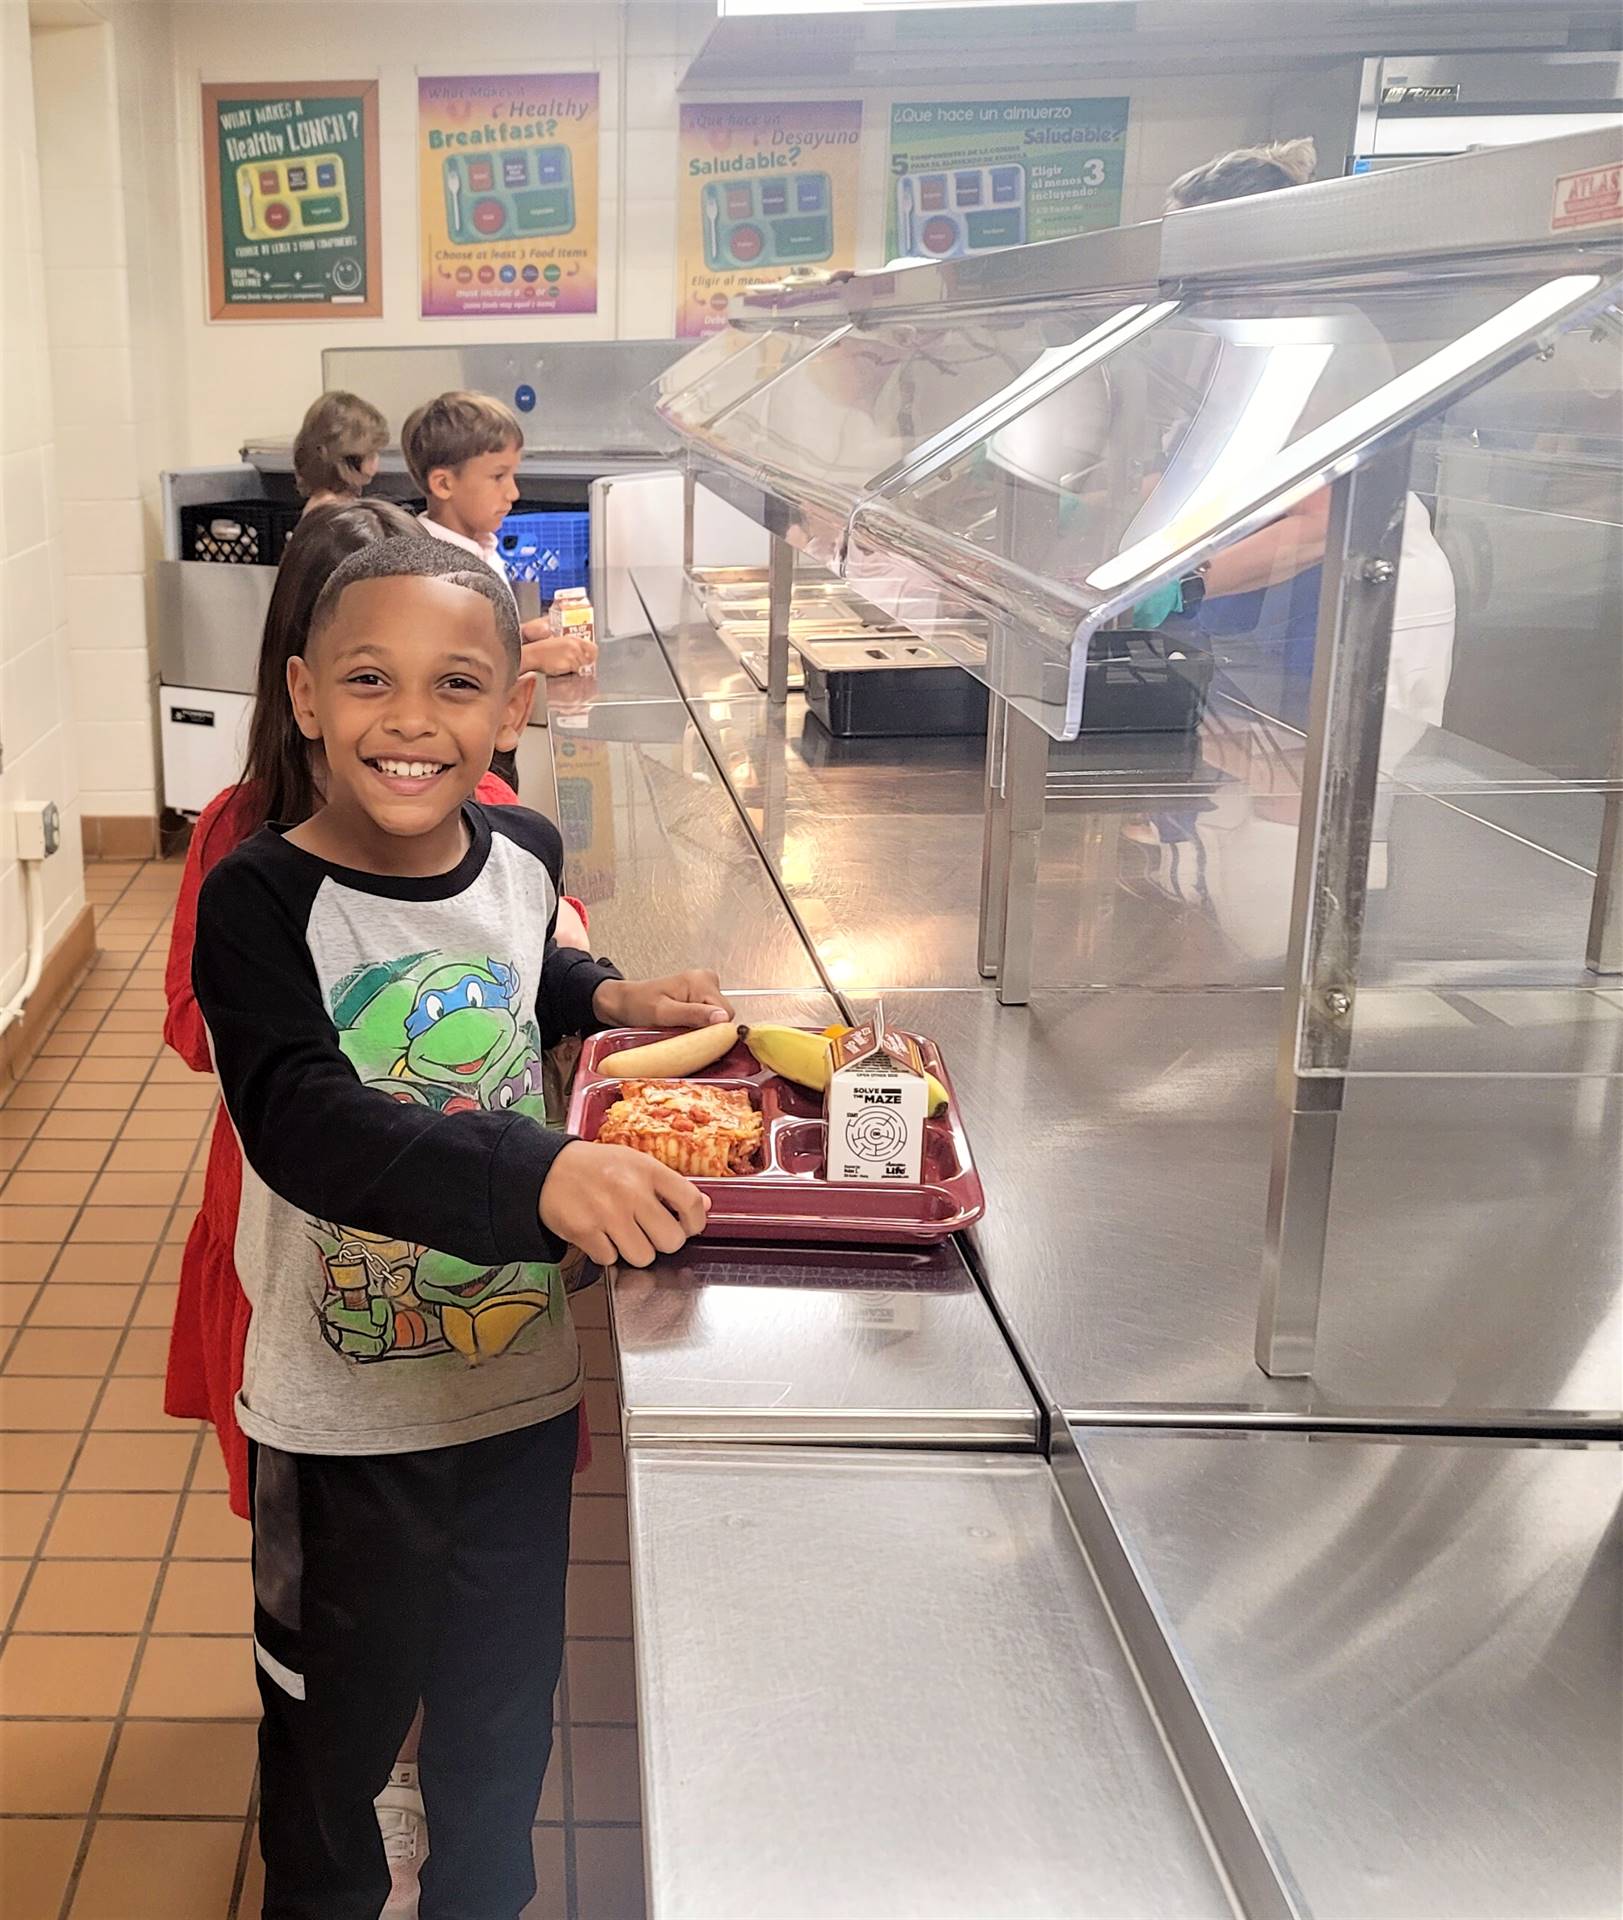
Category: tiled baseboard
[120,836]
[65,966]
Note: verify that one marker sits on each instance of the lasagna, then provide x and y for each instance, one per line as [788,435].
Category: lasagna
[694,1127]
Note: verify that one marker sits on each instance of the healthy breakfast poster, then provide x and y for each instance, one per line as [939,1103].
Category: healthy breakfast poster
[970,175]
[764,188]
[507,194]
[291,179]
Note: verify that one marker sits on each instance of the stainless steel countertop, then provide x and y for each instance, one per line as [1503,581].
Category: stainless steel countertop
[1409,1652]
[878,1686]
[656,849]
[779,1344]
[1123,1141]
[629,667]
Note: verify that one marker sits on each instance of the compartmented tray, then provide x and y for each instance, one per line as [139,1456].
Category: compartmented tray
[788,1200]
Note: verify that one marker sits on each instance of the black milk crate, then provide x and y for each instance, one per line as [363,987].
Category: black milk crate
[232,533]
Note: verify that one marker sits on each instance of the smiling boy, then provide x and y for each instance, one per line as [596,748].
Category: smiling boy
[378,984]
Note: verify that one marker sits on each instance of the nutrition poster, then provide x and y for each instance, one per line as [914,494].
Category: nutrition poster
[507,194]
[763,189]
[291,175]
[970,175]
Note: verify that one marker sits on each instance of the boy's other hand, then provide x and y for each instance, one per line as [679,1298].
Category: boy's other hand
[691,999]
[555,654]
[615,1204]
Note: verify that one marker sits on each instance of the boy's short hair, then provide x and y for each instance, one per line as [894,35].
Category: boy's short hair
[339,432]
[454,428]
[420,557]
[1245,170]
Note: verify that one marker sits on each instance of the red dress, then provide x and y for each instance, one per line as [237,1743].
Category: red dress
[209,1335]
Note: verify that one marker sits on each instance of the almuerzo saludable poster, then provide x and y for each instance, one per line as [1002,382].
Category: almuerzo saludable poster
[971,175]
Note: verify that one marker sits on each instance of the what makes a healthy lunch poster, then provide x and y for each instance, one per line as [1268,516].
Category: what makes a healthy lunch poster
[291,177]
[971,175]
[763,189]
[508,194]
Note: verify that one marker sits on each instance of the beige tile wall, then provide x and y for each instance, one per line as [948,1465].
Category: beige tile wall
[87,249]
[38,759]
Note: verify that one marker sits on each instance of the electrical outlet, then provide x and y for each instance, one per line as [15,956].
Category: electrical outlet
[39,829]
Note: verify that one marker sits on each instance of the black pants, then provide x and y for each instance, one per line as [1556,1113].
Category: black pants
[378,1583]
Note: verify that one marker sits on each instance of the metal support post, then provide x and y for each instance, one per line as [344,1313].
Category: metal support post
[780,598]
[1603,952]
[774,786]
[994,845]
[1025,778]
[1340,773]
[690,491]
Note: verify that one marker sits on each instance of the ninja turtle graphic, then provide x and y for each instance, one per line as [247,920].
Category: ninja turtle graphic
[449,1037]
[453,1035]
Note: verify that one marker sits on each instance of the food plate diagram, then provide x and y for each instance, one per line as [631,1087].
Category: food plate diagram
[961,210]
[518,193]
[281,199]
[768,223]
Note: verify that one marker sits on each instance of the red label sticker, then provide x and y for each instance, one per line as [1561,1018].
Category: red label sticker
[1587,199]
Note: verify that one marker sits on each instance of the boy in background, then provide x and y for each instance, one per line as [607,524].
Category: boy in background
[463,450]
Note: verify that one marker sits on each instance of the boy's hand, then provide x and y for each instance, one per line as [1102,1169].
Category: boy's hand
[616,1204]
[555,654]
[691,999]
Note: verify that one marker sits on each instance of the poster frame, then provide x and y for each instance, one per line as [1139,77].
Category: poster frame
[219,307]
[423,77]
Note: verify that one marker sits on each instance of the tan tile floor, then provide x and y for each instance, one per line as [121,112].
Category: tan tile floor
[127,1703]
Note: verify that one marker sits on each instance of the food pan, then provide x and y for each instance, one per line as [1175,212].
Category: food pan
[788,1200]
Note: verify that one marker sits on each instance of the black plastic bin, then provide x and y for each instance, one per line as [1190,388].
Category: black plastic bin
[878,702]
[232,533]
[1140,682]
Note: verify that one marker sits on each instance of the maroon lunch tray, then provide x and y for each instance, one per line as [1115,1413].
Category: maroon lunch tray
[789,1199]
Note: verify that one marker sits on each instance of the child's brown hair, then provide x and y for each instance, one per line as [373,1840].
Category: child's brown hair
[339,433]
[1247,170]
[455,428]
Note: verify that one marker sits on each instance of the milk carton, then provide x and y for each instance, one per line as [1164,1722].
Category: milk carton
[876,1102]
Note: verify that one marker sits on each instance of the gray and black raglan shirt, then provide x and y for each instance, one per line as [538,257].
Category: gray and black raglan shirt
[379,1044]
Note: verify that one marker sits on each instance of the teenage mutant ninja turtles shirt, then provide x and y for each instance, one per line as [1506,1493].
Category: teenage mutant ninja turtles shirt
[379,1043]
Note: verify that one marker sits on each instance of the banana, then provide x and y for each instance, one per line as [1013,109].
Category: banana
[674,1057]
[792,1052]
[805,1058]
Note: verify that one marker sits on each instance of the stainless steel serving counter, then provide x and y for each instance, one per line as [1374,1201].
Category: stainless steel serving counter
[1123,1136]
[883,1687]
[881,1680]
[1410,1653]
[890,1348]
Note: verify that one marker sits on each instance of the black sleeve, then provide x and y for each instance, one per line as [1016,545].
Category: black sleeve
[467,1184]
[569,978]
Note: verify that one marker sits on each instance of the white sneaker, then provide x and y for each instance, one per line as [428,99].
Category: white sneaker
[405,1841]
